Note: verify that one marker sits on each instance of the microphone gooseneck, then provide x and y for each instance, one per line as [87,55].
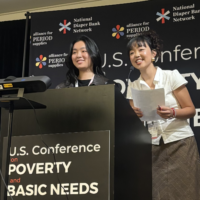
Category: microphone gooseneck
[131,69]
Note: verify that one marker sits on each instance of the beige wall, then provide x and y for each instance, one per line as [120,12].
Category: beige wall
[83,4]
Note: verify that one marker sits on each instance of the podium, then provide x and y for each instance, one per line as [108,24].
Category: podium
[87,110]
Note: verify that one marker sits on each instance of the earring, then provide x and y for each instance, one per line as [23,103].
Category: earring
[153,59]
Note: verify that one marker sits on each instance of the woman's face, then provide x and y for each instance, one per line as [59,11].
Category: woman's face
[80,57]
[141,57]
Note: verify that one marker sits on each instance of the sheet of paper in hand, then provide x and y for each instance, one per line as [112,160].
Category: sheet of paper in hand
[148,101]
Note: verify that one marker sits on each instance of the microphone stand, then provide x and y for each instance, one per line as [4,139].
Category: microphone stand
[131,69]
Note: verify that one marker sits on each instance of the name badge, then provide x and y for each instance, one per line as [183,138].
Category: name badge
[152,128]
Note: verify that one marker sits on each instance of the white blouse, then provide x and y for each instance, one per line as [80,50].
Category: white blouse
[171,129]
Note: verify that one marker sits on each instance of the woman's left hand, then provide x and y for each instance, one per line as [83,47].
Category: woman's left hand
[165,112]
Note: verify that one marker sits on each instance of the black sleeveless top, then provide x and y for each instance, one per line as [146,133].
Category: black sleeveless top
[83,82]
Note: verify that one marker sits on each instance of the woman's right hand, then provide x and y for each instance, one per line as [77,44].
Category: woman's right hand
[137,111]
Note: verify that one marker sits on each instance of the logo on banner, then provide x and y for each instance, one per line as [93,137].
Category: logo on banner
[163,16]
[118,31]
[41,61]
[64,26]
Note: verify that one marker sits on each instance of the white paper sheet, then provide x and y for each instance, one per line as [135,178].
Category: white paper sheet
[148,101]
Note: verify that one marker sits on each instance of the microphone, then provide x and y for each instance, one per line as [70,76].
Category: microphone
[131,69]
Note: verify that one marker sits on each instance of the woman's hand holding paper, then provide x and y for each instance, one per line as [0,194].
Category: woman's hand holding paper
[138,112]
[165,112]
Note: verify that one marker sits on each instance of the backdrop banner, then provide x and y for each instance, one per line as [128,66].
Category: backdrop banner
[111,27]
[75,165]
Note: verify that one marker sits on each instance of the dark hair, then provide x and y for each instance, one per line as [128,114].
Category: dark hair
[92,50]
[150,38]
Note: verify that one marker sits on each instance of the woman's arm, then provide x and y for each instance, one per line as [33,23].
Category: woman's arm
[137,110]
[187,107]
[184,99]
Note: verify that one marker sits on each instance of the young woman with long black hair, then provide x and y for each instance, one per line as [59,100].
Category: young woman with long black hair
[84,65]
